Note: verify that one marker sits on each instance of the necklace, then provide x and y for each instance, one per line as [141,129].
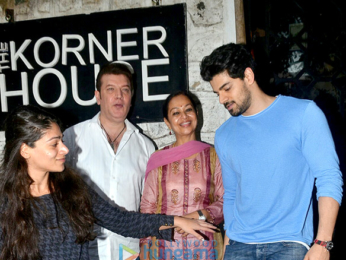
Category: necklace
[109,138]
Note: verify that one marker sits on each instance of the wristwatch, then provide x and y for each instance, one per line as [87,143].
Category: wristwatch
[327,244]
[201,215]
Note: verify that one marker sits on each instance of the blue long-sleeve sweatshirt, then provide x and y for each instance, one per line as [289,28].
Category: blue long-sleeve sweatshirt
[270,162]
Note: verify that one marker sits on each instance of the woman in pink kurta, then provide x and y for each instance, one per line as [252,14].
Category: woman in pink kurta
[183,179]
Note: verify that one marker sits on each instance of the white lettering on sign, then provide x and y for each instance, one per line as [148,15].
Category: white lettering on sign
[56,52]
[74,50]
[4,93]
[36,87]
[3,61]
[3,54]
[121,44]
[19,54]
[74,78]
[73,46]
[3,47]
[146,79]
[156,42]
[108,54]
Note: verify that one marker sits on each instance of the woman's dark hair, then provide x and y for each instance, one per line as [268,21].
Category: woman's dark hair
[26,125]
[233,58]
[175,94]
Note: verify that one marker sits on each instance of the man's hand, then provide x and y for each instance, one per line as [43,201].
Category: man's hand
[317,252]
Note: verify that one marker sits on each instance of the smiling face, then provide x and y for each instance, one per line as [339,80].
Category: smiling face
[182,117]
[114,97]
[233,93]
[48,153]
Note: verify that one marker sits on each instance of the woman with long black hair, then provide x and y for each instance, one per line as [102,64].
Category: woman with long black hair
[46,210]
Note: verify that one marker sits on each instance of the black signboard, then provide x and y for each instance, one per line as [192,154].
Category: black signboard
[53,62]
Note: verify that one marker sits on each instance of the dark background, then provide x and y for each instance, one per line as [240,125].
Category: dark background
[300,49]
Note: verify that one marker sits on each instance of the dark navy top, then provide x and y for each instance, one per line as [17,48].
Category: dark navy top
[57,238]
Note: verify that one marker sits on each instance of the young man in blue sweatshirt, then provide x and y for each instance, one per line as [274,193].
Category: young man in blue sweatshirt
[273,150]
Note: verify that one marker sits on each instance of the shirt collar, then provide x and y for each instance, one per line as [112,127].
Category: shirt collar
[129,126]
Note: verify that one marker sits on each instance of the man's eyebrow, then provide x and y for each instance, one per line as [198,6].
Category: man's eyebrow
[224,85]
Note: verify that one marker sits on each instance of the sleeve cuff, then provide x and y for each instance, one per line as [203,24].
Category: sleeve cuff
[166,234]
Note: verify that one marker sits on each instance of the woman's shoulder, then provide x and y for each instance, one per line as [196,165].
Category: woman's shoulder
[211,148]
[162,149]
[208,147]
[166,147]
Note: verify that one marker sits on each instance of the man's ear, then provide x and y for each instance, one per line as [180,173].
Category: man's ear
[25,151]
[249,76]
[98,97]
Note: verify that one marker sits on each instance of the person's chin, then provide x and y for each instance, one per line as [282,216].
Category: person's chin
[234,113]
[60,169]
[186,132]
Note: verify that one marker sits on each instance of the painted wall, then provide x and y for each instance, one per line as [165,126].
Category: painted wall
[210,23]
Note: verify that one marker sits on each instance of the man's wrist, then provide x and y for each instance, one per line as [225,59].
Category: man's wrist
[326,244]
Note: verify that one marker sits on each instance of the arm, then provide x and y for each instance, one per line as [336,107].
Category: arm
[150,193]
[324,164]
[328,210]
[216,208]
[195,215]
[137,225]
[319,151]
[126,223]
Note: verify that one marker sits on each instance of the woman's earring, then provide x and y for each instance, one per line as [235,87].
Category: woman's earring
[170,132]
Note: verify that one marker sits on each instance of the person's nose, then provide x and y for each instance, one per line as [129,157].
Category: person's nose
[64,150]
[118,94]
[222,98]
[184,115]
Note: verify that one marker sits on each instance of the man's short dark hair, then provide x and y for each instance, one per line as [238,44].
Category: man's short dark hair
[114,69]
[233,58]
